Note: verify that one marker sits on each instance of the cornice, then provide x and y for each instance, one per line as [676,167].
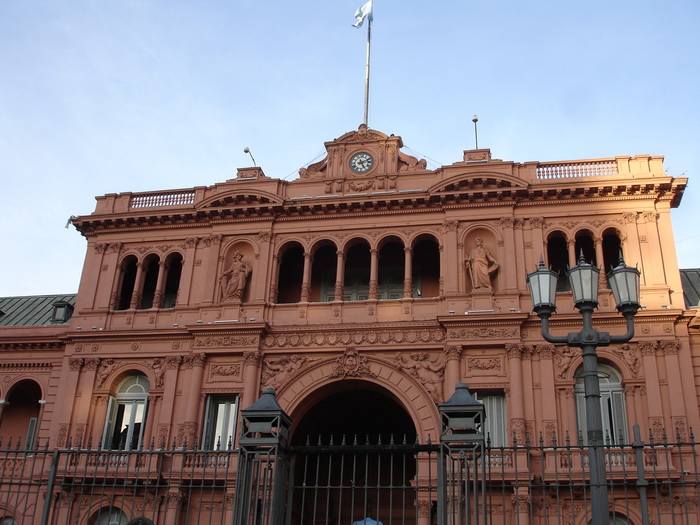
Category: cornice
[25,365]
[130,335]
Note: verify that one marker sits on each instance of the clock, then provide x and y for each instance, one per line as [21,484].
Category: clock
[361,162]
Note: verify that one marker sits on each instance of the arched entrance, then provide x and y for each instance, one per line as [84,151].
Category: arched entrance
[355,456]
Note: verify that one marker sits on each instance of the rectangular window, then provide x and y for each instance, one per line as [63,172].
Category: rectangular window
[495,425]
[124,428]
[220,422]
[612,406]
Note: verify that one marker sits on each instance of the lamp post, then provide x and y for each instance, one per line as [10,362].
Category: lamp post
[624,283]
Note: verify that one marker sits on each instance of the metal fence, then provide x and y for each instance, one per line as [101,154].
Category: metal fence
[337,482]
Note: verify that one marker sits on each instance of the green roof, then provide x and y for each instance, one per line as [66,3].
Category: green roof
[31,310]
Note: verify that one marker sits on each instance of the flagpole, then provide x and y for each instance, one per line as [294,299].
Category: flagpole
[369,46]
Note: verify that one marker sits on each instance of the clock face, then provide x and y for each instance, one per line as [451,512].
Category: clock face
[361,162]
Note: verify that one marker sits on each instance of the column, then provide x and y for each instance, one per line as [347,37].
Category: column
[138,286]
[651,374]
[149,438]
[571,247]
[166,414]
[408,273]
[210,267]
[160,283]
[260,274]
[374,274]
[517,407]
[274,278]
[453,356]
[306,279]
[187,430]
[510,270]
[117,279]
[449,251]
[251,378]
[3,404]
[675,387]
[549,393]
[339,276]
[67,389]
[600,263]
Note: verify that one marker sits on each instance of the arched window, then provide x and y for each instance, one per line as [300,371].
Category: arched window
[20,417]
[426,268]
[110,516]
[391,270]
[173,266]
[323,274]
[128,281]
[150,281]
[291,275]
[558,258]
[612,248]
[126,414]
[357,272]
[7,520]
[612,405]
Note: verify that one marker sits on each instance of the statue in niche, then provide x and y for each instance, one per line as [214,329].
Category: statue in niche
[234,279]
[428,372]
[481,265]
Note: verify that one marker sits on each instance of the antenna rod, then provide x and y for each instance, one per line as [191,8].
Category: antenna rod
[476,135]
[369,40]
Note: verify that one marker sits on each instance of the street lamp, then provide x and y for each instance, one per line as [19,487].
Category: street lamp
[624,283]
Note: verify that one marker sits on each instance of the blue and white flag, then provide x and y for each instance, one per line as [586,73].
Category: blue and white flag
[363,12]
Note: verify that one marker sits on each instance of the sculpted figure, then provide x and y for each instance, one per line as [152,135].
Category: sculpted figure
[234,279]
[481,265]
[428,372]
[280,370]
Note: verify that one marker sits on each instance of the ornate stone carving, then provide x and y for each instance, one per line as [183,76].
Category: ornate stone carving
[277,372]
[233,370]
[629,354]
[484,333]
[484,363]
[650,216]
[449,225]
[252,358]
[193,360]
[344,338]
[562,360]
[506,222]
[105,368]
[187,433]
[670,347]
[515,351]
[225,341]
[545,351]
[91,363]
[428,371]
[351,364]
[648,347]
[453,352]
[518,429]
[656,426]
[76,363]
[537,222]
[173,362]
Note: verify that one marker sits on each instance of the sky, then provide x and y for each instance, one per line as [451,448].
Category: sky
[109,96]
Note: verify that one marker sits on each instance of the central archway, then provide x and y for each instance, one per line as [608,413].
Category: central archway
[353,456]
[353,409]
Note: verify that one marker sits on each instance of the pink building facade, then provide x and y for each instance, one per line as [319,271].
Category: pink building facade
[362,292]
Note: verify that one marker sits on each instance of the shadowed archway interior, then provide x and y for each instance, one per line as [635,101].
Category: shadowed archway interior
[355,412]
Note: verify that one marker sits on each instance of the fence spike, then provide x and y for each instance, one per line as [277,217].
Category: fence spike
[541,440]
[691,436]
[330,443]
[355,441]
[391,438]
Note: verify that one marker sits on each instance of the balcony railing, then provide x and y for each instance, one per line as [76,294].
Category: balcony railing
[576,169]
[166,198]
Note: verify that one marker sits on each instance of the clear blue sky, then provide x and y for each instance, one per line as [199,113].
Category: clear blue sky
[107,96]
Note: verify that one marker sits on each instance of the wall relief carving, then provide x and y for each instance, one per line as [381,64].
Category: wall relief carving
[351,364]
[428,371]
[276,372]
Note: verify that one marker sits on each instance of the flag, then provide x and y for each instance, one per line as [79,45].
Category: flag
[363,12]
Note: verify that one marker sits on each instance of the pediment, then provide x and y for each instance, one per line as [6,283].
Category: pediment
[382,151]
[241,197]
[481,181]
